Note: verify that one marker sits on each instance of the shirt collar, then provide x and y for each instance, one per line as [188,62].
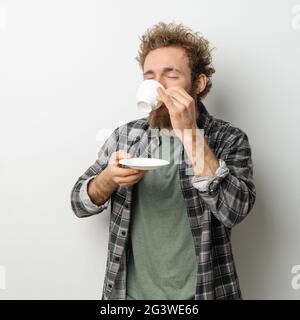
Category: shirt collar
[150,137]
[204,115]
[202,120]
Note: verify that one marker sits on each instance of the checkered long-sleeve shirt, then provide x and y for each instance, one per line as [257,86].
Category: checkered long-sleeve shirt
[212,212]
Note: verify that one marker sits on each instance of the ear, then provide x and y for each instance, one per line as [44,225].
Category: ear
[201,83]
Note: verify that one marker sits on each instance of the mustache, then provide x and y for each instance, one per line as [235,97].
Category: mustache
[160,109]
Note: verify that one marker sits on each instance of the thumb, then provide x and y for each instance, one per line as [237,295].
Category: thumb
[123,154]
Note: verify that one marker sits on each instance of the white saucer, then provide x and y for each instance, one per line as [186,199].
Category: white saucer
[144,163]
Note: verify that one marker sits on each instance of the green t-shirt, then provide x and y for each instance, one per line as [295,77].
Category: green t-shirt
[162,258]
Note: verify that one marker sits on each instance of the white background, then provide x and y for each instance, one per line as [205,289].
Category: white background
[68,74]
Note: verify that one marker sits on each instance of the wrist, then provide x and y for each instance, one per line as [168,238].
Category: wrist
[100,188]
[105,179]
[194,145]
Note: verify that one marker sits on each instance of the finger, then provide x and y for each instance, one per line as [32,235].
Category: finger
[128,184]
[124,172]
[129,179]
[117,155]
[179,97]
[174,105]
[165,98]
[179,91]
[177,106]
[122,154]
[183,92]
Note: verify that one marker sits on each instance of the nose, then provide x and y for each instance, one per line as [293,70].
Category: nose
[161,81]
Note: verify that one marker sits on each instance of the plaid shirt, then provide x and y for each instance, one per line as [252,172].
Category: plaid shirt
[212,211]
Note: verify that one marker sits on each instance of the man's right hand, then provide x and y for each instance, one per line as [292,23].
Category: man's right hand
[102,186]
[124,177]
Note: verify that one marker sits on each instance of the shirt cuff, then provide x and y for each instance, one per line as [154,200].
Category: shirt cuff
[209,184]
[86,200]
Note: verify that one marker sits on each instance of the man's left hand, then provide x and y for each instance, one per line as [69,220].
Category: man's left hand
[181,107]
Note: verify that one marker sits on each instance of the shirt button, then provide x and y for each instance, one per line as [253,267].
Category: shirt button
[211,190]
[109,285]
[126,205]
[117,259]
[123,233]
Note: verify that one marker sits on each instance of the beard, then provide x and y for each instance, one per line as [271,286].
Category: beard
[160,118]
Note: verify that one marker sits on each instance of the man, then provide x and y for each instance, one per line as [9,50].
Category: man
[170,227]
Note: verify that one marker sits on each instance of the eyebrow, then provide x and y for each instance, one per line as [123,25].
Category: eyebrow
[164,71]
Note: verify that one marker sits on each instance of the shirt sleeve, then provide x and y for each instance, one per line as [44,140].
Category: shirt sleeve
[81,204]
[204,184]
[86,200]
[230,194]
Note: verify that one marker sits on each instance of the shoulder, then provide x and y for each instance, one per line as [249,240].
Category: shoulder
[133,128]
[225,133]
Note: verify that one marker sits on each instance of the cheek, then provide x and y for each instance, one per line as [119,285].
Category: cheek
[178,83]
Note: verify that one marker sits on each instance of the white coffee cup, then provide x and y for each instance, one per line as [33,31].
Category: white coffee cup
[146,95]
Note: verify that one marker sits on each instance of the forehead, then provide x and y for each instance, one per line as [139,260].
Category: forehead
[166,57]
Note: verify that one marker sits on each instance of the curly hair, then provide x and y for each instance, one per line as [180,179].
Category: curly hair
[196,46]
